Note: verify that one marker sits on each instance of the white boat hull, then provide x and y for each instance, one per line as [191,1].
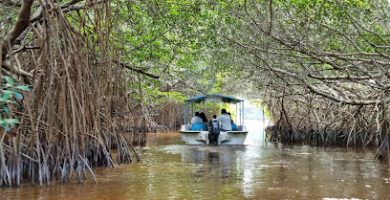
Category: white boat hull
[225,137]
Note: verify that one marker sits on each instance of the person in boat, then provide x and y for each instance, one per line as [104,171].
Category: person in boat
[214,128]
[234,126]
[197,123]
[196,118]
[204,119]
[203,116]
[226,121]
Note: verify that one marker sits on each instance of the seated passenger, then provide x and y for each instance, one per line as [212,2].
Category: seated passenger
[225,120]
[234,126]
[197,123]
[204,119]
[196,118]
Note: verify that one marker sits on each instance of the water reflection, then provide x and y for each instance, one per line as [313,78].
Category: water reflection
[214,160]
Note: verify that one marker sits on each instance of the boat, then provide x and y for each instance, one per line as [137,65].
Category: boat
[236,137]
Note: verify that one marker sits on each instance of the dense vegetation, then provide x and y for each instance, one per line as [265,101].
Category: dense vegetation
[98,74]
[323,69]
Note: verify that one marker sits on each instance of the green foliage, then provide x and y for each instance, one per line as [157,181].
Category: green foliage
[154,95]
[9,94]
[210,108]
[191,44]
[177,40]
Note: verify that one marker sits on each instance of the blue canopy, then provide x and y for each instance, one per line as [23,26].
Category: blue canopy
[223,98]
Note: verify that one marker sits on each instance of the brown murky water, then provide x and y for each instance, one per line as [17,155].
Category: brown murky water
[172,170]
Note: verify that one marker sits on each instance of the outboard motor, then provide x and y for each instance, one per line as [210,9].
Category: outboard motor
[214,129]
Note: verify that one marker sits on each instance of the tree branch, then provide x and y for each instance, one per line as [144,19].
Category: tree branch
[16,70]
[11,2]
[141,71]
[21,24]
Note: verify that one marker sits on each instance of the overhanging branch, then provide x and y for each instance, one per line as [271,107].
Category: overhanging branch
[141,71]
[22,23]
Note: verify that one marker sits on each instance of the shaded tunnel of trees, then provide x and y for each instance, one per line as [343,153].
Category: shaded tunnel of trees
[83,77]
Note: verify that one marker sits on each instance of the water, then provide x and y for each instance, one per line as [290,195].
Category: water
[172,170]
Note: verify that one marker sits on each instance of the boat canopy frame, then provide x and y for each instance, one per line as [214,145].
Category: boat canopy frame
[216,97]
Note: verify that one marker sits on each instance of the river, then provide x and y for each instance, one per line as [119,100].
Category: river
[171,170]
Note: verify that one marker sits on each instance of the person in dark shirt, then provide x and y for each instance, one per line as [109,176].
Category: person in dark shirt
[204,119]
[203,116]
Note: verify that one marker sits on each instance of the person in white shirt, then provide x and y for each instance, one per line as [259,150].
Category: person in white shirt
[196,118]
[225,120]
[197,123]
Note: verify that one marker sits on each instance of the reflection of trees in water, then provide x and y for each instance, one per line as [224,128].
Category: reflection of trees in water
[198,156]
[215,160]
[219,161]
[227,163]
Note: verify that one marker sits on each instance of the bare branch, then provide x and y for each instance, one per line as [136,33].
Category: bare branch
[141,71]
[22,23]
[11,2]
